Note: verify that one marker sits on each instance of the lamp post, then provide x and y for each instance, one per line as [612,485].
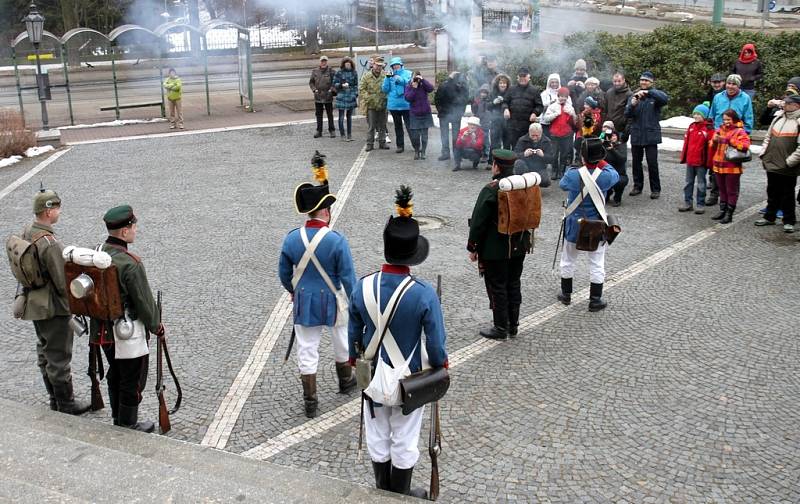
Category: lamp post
[352,16]
[34,24]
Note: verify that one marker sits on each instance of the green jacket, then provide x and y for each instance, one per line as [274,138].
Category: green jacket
[51,300]
[780,150]
[134,289]
[174,88]
[369,90]
[483,236]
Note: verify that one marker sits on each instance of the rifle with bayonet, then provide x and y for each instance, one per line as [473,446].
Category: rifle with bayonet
[95,370]
[435,435]
[163,350]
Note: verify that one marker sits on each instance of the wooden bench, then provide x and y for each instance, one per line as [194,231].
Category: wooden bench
[131,105]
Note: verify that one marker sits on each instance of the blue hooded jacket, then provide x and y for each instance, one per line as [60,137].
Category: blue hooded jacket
[394,87]
[741,103]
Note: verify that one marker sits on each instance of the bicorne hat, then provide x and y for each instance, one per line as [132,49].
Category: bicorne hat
[308,197]
[402,243]
[592,150]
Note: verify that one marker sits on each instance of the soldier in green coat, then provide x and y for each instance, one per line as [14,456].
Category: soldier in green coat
[48,307]
[500,256]
[127,376]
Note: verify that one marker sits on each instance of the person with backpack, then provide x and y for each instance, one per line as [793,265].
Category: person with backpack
[408,306]
[39,269]
[500,257]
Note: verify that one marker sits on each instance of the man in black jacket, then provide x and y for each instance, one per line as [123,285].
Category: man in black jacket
[534,151]
[524,105]
[451,99]
[616,99]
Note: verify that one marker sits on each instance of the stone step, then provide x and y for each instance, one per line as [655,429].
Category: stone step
[52,457]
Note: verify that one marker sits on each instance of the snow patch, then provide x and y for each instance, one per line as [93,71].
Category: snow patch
[119,122]
[32,152]
[681,122]
[9,161]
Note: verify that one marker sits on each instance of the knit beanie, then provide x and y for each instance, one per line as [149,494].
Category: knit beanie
[593,80]
[590,101]
[580,64]
[734,79]
[702,109]
[563,91]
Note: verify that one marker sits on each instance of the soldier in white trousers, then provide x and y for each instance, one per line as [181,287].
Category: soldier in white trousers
[587,187]
[316,268]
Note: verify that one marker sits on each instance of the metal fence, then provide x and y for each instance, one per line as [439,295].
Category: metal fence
[498,23]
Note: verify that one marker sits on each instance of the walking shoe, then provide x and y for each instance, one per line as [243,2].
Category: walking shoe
[498,333]
[457,167]
[180,127]
[444,157]
[333,134]
[422,155]
[344,138]
[318,134]
[399,150]
[764,222]
[655,195]
[369,148]
[475,165]
[788,228]
[635,192]
[171,126]
[763,211]
[687,207]
[723,209]
[416,155]
[700,210]
[712,200]
[384,147]
[615,203]
[349,138]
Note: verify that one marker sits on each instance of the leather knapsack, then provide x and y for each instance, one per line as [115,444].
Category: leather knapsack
[23,257]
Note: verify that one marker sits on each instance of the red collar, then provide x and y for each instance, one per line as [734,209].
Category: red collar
[602,164]
[396,269]
[316,223]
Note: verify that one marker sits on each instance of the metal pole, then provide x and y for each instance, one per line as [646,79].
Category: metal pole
[66,83]
[249,74]
[161,82]
[377,50]
[40,85]
[114,77]
[716,17]
[19,87]
[204,42]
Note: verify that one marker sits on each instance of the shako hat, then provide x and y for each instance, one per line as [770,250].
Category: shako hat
[504,159]
[402,243]
[119,217]
[44,199]
[592,150]
[308,197]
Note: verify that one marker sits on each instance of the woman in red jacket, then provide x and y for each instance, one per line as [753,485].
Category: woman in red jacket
[697,158]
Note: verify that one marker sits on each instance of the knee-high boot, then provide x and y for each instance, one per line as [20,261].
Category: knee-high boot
[728,218]
[383,474]
[310,394]
[565,296]
[401,483]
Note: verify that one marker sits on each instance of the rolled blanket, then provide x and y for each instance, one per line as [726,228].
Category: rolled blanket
[523,181]
[86,257]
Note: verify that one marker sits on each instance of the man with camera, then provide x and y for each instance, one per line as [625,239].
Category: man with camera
[644,110]
[534,151]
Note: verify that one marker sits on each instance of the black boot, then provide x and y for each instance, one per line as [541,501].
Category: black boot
[50,392]
[513,320]
[596,302]
[499,330]
[114,400]
[728,218]
[723,209]
[347,378]
[310,394]
[401,483]
[566,291]
[65,400]
[129,418]
[416,154]
[383,474]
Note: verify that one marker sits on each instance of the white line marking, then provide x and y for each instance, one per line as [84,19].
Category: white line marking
[36,169]
[220,429]
[331,419]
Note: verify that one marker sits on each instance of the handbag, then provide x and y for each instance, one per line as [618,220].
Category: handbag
[734,155]
[423,387]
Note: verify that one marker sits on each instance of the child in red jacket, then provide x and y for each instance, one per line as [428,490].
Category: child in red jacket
[697,158]
[469,143]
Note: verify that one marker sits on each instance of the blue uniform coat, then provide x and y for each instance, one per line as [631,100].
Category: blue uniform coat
[419,309]
[571,181]
[645,117]
[314,303]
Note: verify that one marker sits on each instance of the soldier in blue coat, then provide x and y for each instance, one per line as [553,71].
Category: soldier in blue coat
[592,152]
[315,267]
[418,329]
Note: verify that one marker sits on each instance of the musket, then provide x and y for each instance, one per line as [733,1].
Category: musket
[435,435]
[560,233]
[95,363]
[163,413]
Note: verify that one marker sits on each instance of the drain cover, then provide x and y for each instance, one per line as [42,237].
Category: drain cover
[428,222]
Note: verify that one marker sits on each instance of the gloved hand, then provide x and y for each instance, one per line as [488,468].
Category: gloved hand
[498,100]
[161,330]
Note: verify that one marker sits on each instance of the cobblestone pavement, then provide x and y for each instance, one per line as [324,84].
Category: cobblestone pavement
[684,390]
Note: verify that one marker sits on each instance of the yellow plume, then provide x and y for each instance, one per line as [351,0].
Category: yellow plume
[406,211]
[320,173]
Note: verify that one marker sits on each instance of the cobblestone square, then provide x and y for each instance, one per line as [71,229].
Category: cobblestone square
[685,389]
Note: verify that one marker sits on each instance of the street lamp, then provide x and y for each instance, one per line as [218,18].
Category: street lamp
[352,17]
[34,24]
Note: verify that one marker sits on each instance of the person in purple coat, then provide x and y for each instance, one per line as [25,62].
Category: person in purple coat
[420,117]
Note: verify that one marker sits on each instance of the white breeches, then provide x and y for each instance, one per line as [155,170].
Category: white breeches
[307,339]
[597,262]
[393,436]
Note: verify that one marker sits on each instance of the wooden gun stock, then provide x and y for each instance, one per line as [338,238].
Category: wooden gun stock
[163,412]
[94,360]
[434,449]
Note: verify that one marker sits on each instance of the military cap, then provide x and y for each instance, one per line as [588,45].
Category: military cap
[504,159]
[45,199]
[119,217]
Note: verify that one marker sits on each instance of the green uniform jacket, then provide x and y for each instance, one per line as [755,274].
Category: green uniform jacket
[483,236]
[369,90]
[174,88]
[50,300]
[135,292]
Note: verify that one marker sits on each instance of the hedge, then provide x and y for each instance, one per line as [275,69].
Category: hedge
[682,57]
